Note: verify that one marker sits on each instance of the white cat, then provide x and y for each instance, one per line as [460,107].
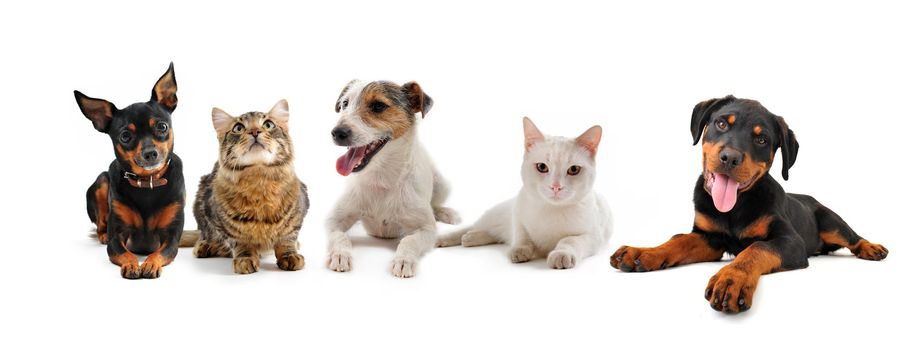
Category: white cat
[556,214]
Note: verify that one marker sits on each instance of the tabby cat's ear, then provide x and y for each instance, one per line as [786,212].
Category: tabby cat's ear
[280,113]
[532,133]
[222,121]
[590,139]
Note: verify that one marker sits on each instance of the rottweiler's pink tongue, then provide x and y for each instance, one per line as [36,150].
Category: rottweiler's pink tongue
[723,191]
[349,160]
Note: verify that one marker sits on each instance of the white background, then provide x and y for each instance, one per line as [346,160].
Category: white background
[842,75]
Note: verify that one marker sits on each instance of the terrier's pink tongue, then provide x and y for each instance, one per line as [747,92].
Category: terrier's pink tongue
[723,192]
[349,160]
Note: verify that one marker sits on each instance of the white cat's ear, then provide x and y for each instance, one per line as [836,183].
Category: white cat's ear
[532,133]
[222,121]
[590,139]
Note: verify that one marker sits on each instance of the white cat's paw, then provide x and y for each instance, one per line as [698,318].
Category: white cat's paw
[447,215]
[339,261]
[521,254]
[560,259]
[404,267]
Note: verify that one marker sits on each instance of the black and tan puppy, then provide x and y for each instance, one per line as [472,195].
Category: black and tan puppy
[740,209]
[137,205]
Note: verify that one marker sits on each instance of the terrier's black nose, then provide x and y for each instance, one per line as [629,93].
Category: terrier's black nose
[731,158]
[150,155]
[341,135]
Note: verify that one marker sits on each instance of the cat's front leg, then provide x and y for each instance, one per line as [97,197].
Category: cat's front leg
[522,249]
[339,244]
[288,259]
[570,250]
[245,258]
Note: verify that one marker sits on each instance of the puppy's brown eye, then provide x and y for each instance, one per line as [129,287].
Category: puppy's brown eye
[238,128]
[162,127]
[344,104]
[761,140]
[269,125]
[378,107]
[125,136]
[542,167]
[721,124]
[573,170]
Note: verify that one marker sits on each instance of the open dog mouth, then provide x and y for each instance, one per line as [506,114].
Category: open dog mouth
[357,158]
[724,189]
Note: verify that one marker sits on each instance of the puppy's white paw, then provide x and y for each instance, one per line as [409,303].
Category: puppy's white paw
[447,215]
[560,259]
[404,267]
[521,254]
[339,261]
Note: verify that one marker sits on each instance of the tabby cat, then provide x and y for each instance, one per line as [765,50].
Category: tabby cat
[252,201]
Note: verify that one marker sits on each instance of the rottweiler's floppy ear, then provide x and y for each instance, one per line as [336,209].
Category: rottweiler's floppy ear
[99,111]
[702,114]
[418,101]
[347,87]
[789,147]
[164,90]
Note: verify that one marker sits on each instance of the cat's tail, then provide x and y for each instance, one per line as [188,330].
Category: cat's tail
[189,238]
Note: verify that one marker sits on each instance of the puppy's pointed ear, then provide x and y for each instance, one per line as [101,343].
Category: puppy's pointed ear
[590,139]
[532,134]
[164,90]
[98,111]
[280,113]
[347,87]
[701,115]
[222,121]
[789,147]
[418,101]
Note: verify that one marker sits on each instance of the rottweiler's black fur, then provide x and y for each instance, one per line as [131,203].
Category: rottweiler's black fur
[138,204]
[767,229]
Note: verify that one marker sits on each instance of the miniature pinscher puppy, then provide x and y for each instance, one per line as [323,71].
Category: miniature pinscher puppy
[138,204]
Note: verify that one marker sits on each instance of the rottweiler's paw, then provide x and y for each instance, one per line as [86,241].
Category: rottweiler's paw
[151,268]
[629,259]
[521,254]
[871,251]
[731,290]
[245,265]
[291,262]
[560,259]
[130,271]
[404,267]
[103,237]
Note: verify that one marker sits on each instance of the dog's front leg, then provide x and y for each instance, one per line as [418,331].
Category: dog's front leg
[412,247]
[732,288]
[339,244]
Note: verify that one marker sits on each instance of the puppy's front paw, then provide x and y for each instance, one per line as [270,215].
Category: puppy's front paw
[245,265]
[630,259]
[870,251]
[447,215]
[404,267]
[339,261]
[151,268]
[130,271]
[103,237]
[291,262]
[731,290]
[521,254]
[560,259]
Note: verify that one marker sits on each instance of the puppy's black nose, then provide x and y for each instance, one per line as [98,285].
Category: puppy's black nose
[341,134]
[731,158]
[150,155]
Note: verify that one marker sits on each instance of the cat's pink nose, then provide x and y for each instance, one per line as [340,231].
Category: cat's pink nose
[254,133]
[556,187]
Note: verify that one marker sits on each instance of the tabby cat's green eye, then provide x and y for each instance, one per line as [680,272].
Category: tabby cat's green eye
[238,128]
[268,124]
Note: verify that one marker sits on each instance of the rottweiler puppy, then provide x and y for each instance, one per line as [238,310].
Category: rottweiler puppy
[740,209]
[138,204]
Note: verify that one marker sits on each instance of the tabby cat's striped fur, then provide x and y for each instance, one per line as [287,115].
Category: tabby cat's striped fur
[252,201]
